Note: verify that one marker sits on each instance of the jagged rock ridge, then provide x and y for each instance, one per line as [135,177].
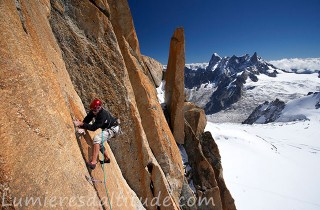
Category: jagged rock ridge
[278,111]
[205,161]
[226,76]
[266,112]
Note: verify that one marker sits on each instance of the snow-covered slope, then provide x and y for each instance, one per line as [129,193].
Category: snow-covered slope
[226,76]
[160,91]
[201,94]
[236,89]
[285,87]
[276,165]
[302,108]
[278,111]
[271,166]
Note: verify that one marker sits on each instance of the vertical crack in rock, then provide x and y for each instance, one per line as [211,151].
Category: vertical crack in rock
[22,19]
[101,8]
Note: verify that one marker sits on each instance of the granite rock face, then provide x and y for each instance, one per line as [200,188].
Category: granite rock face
[196,117]
[174,90]
[58,55]
[203,175]
[41,157]
[161,142]
[211,152]
[155,69]
[205,161]
[97,69]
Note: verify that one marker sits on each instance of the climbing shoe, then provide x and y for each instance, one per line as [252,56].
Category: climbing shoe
[105,161]
[91,166]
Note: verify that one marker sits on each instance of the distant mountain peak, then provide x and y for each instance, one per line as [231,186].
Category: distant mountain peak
[215,58]
[228,74]
[254,58]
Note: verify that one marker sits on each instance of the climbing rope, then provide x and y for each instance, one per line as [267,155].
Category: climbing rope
[104,172]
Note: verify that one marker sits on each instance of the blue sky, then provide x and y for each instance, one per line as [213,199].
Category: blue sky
[274,29]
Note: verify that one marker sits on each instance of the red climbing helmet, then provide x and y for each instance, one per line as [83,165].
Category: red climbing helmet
[96,103]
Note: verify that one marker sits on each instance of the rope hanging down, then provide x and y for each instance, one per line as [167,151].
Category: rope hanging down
[104,172]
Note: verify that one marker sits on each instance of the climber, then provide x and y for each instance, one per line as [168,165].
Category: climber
[103,119]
